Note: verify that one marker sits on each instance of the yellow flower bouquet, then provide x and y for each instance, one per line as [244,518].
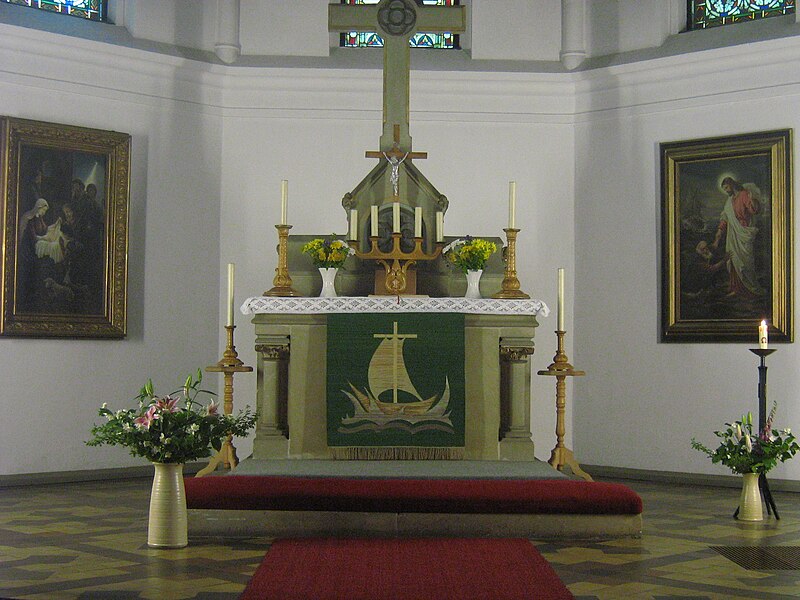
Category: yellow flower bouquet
[469,254]
[329,253]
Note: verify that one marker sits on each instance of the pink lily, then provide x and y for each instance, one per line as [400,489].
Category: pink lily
[146,419]
[212,408]
[167,404]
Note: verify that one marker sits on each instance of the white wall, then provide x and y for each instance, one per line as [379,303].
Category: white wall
[51,389]
[642,401]
[515,29]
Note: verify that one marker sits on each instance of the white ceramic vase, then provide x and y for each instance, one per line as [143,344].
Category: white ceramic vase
[328,277]
[473,284]
[167,527]
[750,501]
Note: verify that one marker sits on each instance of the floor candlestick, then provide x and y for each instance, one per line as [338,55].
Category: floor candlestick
[763,485]
[560,368]
[227,365]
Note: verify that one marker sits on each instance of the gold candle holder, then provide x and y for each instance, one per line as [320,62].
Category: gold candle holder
[228,365]
[282,283]
[510,287]
[396,262]
[560,368]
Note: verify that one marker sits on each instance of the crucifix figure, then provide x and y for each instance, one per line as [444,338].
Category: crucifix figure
[396,21]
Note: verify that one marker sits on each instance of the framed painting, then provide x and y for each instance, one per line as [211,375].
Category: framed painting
[65,230]
[727,238]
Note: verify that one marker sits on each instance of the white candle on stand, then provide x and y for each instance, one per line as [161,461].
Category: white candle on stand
[439,226]
[512,204]
[354,224]
[395,217]
[763,335]
[284,201]
[231,268]
[561,299]
[373,221]
[418,222]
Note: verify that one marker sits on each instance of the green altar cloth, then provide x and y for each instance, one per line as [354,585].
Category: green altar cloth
[395,382]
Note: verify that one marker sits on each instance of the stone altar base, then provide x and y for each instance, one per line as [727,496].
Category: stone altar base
[476,510]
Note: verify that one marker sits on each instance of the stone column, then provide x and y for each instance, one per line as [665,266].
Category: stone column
[573,36]
[270,439]
[227,45]
[517,443]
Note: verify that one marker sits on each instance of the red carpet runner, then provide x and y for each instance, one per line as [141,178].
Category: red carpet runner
[404,569]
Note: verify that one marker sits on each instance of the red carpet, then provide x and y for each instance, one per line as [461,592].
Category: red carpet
[404,569]
[488,496]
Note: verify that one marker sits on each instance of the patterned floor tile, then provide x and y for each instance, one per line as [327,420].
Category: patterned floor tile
[88,541]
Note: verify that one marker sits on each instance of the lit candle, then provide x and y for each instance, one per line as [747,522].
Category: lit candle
[284,201]
[418,222]
[439,226]
[763,335]
[354,224]
[373,220]
[395,217]
[561,300]
[231,268]
[512,204]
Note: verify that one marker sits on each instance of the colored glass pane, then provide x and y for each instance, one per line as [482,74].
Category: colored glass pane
[94,10]
[712,13]
[370,39]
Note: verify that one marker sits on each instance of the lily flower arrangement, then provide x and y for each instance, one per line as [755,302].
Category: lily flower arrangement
[175,428]
[328,253]
[744,451]
[469,253]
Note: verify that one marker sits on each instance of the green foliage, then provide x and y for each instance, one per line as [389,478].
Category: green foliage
[469,254]
[327,253]
[744,452]
[171,429]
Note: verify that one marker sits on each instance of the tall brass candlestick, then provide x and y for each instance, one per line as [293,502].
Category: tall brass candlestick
[228,365]
[561,369]
[510,287]
[282,283]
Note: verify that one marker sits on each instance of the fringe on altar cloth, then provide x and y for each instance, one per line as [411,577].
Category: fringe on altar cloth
[396,453]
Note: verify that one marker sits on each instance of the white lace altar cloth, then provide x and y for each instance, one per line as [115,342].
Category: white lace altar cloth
[390,304]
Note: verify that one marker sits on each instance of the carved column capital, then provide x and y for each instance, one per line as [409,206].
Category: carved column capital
[515,354]
[272,352]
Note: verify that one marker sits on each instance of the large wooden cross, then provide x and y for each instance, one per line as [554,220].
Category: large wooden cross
[396,21]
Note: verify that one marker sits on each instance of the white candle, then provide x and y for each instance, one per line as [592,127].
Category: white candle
[284,201]
[231,268]
[763,335]
[561,300]
[395,217]
[354,224]
[439,226]
[373,220]
[512,204]
[418,222]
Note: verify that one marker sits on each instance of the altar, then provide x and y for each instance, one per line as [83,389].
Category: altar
[292,376]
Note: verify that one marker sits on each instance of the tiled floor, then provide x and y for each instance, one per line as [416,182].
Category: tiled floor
[88,541]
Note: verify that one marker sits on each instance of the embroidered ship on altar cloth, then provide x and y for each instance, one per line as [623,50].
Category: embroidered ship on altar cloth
[408,391]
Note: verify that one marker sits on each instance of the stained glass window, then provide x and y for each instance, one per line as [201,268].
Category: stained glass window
[712,13]
[370,39]
[94,10]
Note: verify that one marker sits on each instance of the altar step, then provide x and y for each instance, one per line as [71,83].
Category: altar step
[409,499]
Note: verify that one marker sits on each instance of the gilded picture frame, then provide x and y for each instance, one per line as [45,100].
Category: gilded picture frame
[64,222]
[727,238]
